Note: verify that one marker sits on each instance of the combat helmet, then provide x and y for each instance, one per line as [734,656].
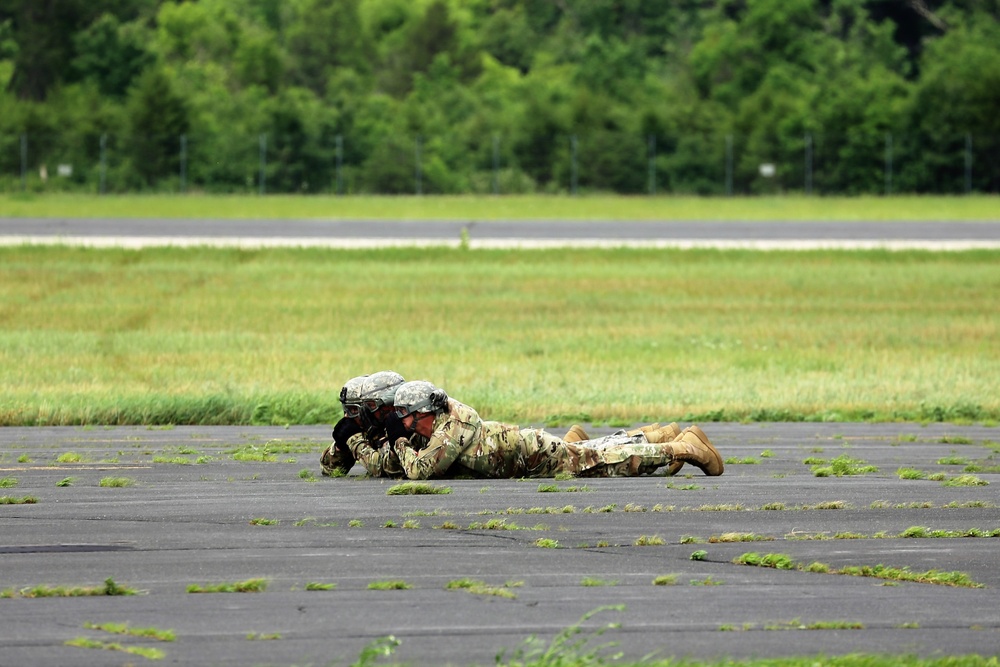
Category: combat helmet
[350,396]
[419,396]
[379,389]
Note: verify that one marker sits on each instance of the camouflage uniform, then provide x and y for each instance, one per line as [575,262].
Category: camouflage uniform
[378,458]
[462,444]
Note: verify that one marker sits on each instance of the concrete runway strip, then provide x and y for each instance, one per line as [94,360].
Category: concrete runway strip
[762,235]
[189,519]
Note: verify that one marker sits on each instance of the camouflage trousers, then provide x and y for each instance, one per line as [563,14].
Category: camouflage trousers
[616,455]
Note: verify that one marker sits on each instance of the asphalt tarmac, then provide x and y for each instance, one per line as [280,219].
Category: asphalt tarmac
[136,233]
[198,515]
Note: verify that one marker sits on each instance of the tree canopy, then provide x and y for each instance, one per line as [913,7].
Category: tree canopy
[455,96]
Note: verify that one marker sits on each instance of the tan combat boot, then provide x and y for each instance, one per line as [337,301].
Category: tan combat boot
[644,429]
[694,447]
[667,433]
[575,434]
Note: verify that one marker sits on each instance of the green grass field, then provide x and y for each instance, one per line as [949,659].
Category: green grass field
[592,207]
[617,336]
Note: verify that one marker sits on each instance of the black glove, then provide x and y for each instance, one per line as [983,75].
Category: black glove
[343,430]
[394,429]
[375,434]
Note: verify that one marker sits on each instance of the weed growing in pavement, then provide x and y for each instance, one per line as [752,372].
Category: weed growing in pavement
[746,460]
[878,571]
[844,465]
[828,505]
[740,537]
[14,500]
[261,521]
[965,480]
[257,585]
[565,649]
[700,554]
[773,506]
[437,512]
[109,588]
[767,454]
[648,540]
[69,457]
[389,524]
[592,582]
[147,652]
[263,635]
[632,507]
[416,489]
[355,523]
[307,475]
[971,503]
[448,525]
[953,460]
[24,458]
[731,507]
[955,440]
[317,586]
[707,581]
[796,624]
[546,543]
[411,523]
[116,482]
[8,482]
[175,460]
[910,473]
[125,629]
[480,588]
[395,585]
[665,580]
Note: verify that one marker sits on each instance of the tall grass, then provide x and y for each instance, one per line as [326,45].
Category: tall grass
[216,336]
[508,207]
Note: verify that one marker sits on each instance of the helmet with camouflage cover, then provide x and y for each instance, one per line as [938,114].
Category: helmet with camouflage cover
[419,396]
[350,396]
[379,389]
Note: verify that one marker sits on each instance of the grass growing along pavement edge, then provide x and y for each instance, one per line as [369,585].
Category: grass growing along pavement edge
[507,207]
[228,336]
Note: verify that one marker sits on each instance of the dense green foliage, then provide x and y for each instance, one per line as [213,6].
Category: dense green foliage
[466,96]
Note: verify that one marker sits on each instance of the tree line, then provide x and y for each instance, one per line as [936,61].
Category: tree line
[460,96]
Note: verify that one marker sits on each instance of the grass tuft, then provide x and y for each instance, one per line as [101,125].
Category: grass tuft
[417,489]
[249,586]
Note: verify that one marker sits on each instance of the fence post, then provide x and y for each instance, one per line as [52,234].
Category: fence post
[24,161]
[496,164]
[340,164]
[572,166]
[729,165]
[888,163]
[418,173]
[104,161]
[968,163]
[184,150]
[809,163]
[263,163]
[651,155]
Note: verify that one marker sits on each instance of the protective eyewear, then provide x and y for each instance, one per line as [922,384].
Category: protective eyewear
[352,410]
[372,404]
[401,412]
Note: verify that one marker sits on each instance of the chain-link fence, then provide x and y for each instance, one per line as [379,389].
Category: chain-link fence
[813,163]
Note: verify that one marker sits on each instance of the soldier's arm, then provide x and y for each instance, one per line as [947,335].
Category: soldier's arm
[378,462]
[443,448]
